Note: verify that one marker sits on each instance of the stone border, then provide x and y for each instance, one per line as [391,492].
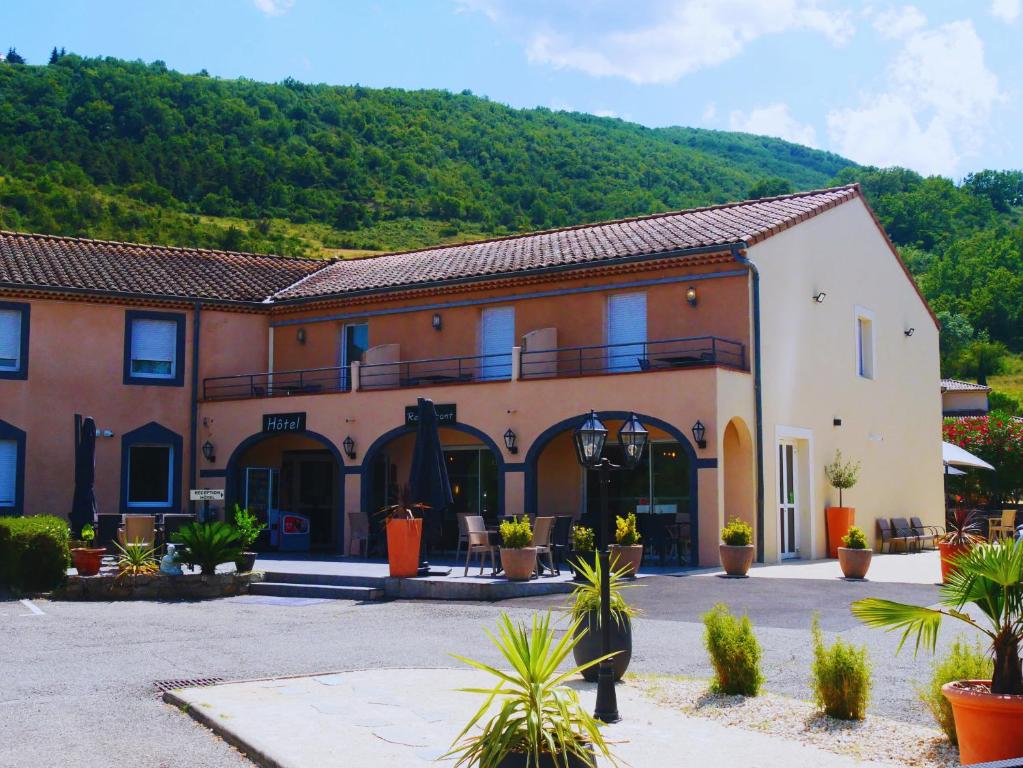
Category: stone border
[159,586]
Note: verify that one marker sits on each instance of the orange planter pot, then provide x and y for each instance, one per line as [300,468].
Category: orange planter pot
[403,538]
[989,726]
[840,520]
[948,553]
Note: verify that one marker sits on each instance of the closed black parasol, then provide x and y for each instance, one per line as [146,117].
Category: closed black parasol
[83,506]
[428,480]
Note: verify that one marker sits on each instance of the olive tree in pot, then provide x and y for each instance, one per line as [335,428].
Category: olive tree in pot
[627,549]
[518,555]
[842,475]
[86,558]
[963,532]
[736,549]
[249,527]
[539,722]
[583,547]
[854,556]
[989,577]
[207,545]
[585,613]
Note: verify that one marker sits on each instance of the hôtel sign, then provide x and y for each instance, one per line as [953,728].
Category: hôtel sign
[283,422]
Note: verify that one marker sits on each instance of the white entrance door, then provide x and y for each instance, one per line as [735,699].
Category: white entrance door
[788,501]
[626,331]
[497,337]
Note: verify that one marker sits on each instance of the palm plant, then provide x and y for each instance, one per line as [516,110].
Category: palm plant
[208,545]
[989,576]
[136,559]
[538,717]
[586,595]
[963,528]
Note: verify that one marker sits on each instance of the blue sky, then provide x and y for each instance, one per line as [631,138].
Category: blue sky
[934,86]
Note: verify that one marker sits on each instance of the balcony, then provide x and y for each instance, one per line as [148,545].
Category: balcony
[597,360]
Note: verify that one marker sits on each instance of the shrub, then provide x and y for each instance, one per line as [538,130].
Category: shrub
[737,533]
[840,677]
[964,662]
[208,545]
[516,533]
[583,539]
[626,533]
[249,526]
[34,552]
[734,652]
[136,559]
[855,539]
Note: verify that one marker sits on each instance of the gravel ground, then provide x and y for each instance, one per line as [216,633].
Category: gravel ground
[78,680]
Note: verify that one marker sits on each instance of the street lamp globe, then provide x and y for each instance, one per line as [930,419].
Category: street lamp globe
[633,437]
[589,440]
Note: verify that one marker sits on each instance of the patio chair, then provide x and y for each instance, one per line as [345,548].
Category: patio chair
[561,538]
[543,528]
[358,533]
[463,534]
[138,529]
[479,543]
[886,535]
[926,533]
[1002,527]
[902,528]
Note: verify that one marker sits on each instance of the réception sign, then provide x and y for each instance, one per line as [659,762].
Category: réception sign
[206,494]
[446,414]
[283,422]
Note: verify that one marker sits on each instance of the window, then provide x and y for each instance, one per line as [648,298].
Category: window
[497,337]
[13,340]
[626,331]
[8,474]
[865,343]
[354,343]
[151,469]
[154,348]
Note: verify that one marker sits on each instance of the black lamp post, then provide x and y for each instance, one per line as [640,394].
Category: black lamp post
[590,438]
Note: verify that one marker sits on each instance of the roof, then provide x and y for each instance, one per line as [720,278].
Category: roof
[719,225]
[69,263]
[955,385]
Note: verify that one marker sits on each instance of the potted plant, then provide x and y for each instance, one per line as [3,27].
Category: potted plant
[583,547]
[854,556]
[86,558]
[963,533]
[842,475]
[627,552]
[585,613]
[207,545]
[988,713]
[135,559]
[539,722]
[518,555]
[249,528]
[736,548]
[404,535]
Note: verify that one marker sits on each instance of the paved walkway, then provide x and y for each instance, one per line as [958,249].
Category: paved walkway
[915,568]
[403,718]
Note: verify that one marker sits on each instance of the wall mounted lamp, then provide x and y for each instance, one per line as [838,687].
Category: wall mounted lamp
[511,442]
[349,445]
[209,452]
[700,434]
[301,335]
[691,296]
[819,297]
[436,321]
[909,332]
[836,422]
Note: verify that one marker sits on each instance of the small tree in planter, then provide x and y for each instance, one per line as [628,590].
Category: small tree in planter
[627,552]
[853,556]
[518,555]
[249,527]
[988,714]
[86,558]
[842,475]
[583,547]
[736,549]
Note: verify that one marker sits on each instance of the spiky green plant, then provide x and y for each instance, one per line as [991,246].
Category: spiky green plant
[586,595]
[208,545]
[135,559]
[989,576]
[537,715]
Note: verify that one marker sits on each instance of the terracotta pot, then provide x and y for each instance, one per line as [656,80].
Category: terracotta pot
[840,520]
[87,560]
[736,560]
[989,726]
[629,559]
[518,564]
[403,537]
[948,553]
[589,646]
[854,562]
[246,562]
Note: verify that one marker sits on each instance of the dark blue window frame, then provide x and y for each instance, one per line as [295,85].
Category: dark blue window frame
[178,380]
[25,309]
[152,434]
[11,432]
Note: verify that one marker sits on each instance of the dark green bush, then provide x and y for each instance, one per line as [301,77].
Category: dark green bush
[840,677]
[734,652]
[964,662]
[207,545]
[34,554]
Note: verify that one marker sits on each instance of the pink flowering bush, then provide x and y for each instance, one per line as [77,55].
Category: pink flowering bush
[998,439]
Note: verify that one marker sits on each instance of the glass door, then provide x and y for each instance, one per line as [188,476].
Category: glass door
[261,499]
[354,343]
[788,518]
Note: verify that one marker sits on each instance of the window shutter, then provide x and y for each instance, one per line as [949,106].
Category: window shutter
[154,341]
[497,330]
[10,339]
[8,472]
[626,325]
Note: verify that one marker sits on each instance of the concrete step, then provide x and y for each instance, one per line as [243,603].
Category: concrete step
[329,591]
[331,579]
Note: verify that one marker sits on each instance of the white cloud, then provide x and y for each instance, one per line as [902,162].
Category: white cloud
[898,23]
[274,7]
[1006,10]
[710,112]
[774,120]
[935,110]
[605,113]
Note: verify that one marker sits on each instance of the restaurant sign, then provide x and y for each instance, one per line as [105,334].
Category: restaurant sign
[283,422]
[446,414]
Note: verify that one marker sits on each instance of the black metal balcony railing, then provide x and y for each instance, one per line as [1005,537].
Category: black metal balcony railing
[658,355]
[550,363]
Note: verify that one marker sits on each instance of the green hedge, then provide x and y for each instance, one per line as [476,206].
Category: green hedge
[34,554]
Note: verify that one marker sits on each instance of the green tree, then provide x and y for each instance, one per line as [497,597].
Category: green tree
[981,358]
[770,188]
[13,57]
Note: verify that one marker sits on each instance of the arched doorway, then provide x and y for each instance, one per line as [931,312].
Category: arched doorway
[662,489]
[287,479]
[475,469]
[738,473]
